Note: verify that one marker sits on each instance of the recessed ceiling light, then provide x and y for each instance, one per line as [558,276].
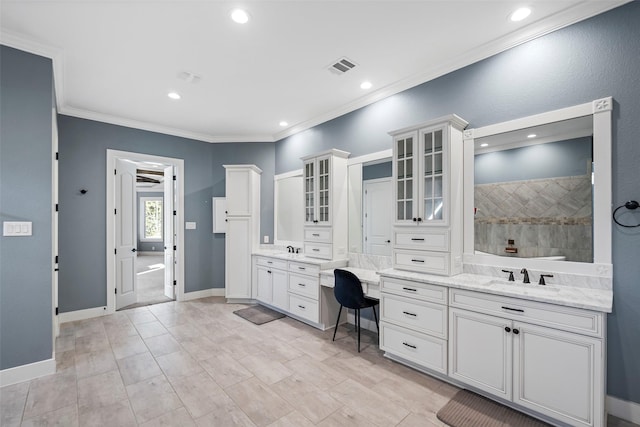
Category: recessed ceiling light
[174,95]
[365,85]
[284,124]
[520,14]
[484,144]
[531,135]
[240,16]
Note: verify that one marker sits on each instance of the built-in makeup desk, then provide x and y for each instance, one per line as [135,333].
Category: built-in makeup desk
[369,279]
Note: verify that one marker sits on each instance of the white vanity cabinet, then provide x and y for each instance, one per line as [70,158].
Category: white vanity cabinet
[413,322]
[272,282]
[427,171]
[543,357]
[325,204]
[242,192]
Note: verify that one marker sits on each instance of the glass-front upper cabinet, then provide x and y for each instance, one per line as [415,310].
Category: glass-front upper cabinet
[432,175]
[405,183]
[317,191]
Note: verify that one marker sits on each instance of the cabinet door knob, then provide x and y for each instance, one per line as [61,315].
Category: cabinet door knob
[419,219]
[508,329]
[415,219]
[388,241]
[515,331]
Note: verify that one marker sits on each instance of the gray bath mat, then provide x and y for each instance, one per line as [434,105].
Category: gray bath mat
[258,314]
[468,409]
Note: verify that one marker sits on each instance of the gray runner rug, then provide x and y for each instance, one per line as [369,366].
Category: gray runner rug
[258,314]
[467,409]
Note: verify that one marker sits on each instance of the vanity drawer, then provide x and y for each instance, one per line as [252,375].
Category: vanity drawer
[423,291]
[272,262]
[425,239]
[422,261]
[418,315]
[555,316]
[304,307]
[304,285]
[318,250]
[422,349]
[317,234]
[310,269]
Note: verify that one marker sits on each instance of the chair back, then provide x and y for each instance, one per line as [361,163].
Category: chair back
[348,289]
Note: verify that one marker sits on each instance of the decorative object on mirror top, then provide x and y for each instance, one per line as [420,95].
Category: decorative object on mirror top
[631,206]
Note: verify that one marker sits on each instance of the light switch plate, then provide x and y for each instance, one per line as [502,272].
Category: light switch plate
[17,228]
[190,225]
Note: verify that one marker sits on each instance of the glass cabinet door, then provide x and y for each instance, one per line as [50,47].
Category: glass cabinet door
[432,176]
[309,192]
[404,178]
[323,190]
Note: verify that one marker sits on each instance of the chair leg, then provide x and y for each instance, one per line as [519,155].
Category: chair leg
[375,316]
[337,323]
[358,320]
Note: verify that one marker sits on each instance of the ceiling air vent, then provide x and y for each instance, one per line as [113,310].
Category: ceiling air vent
[341,66]
[189,77]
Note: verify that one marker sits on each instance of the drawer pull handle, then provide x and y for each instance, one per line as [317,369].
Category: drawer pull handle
[315,235]
[410,289]
[269,271]
[409,345]
[508,329]
[316,250]
[302,307]
[417,260]
[410,314]
[269,262]
[519,310]
[301,268]
[416,239]
[302,284]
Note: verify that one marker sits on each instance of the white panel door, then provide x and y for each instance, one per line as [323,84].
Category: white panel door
[558,374]
[126,239]
[378,212]
[169,232]
[480,351]
[238,258]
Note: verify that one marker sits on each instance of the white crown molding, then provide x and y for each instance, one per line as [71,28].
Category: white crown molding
[562,19]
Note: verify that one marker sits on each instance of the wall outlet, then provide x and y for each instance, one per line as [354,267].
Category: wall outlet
[190,225]
[265,239]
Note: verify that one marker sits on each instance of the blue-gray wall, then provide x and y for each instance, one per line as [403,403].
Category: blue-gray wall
[551,160]
[595,58]
[26,91]
[142,245]
[83,150]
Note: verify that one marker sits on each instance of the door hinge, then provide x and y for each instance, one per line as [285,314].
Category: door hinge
[115,251]
[57,207]
[175,282]
[175,248]
[56,311]
[56,259]
[175,212]
[115,211]
[174,177]
[57,159]
[115,172]
[116,289]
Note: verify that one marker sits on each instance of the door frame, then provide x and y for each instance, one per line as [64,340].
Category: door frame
[178,164]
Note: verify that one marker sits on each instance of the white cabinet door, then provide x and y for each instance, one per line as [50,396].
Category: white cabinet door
[238,196]
[280,284]
[480,351]
[264,288]
[405,168]
[559,374]
[238,249]
[433,160]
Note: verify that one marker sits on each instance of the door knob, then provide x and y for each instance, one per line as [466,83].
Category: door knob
[133,250]
[388,241]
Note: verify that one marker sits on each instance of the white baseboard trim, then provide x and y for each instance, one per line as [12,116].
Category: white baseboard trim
[214,292]
[27,372]
[627,410]
[368,324]
[89,313]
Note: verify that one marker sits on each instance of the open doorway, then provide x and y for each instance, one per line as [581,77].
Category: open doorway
[144,241]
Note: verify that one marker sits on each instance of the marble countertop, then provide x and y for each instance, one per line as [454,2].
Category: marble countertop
[365,275]
[300,258]
[586,298]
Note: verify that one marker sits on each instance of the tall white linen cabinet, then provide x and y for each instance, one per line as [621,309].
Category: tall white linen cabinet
[242,190]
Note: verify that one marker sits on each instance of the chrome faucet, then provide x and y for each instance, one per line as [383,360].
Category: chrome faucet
[526,275]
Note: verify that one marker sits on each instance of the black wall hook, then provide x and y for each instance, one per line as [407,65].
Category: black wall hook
[631,205]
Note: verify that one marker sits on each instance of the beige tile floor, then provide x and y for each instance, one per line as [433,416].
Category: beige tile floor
[197,364]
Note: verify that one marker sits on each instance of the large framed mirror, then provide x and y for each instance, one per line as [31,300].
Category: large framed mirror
[537,191]
[370,203]
[288,206]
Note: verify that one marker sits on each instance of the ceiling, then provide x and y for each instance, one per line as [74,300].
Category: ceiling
[115,61]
